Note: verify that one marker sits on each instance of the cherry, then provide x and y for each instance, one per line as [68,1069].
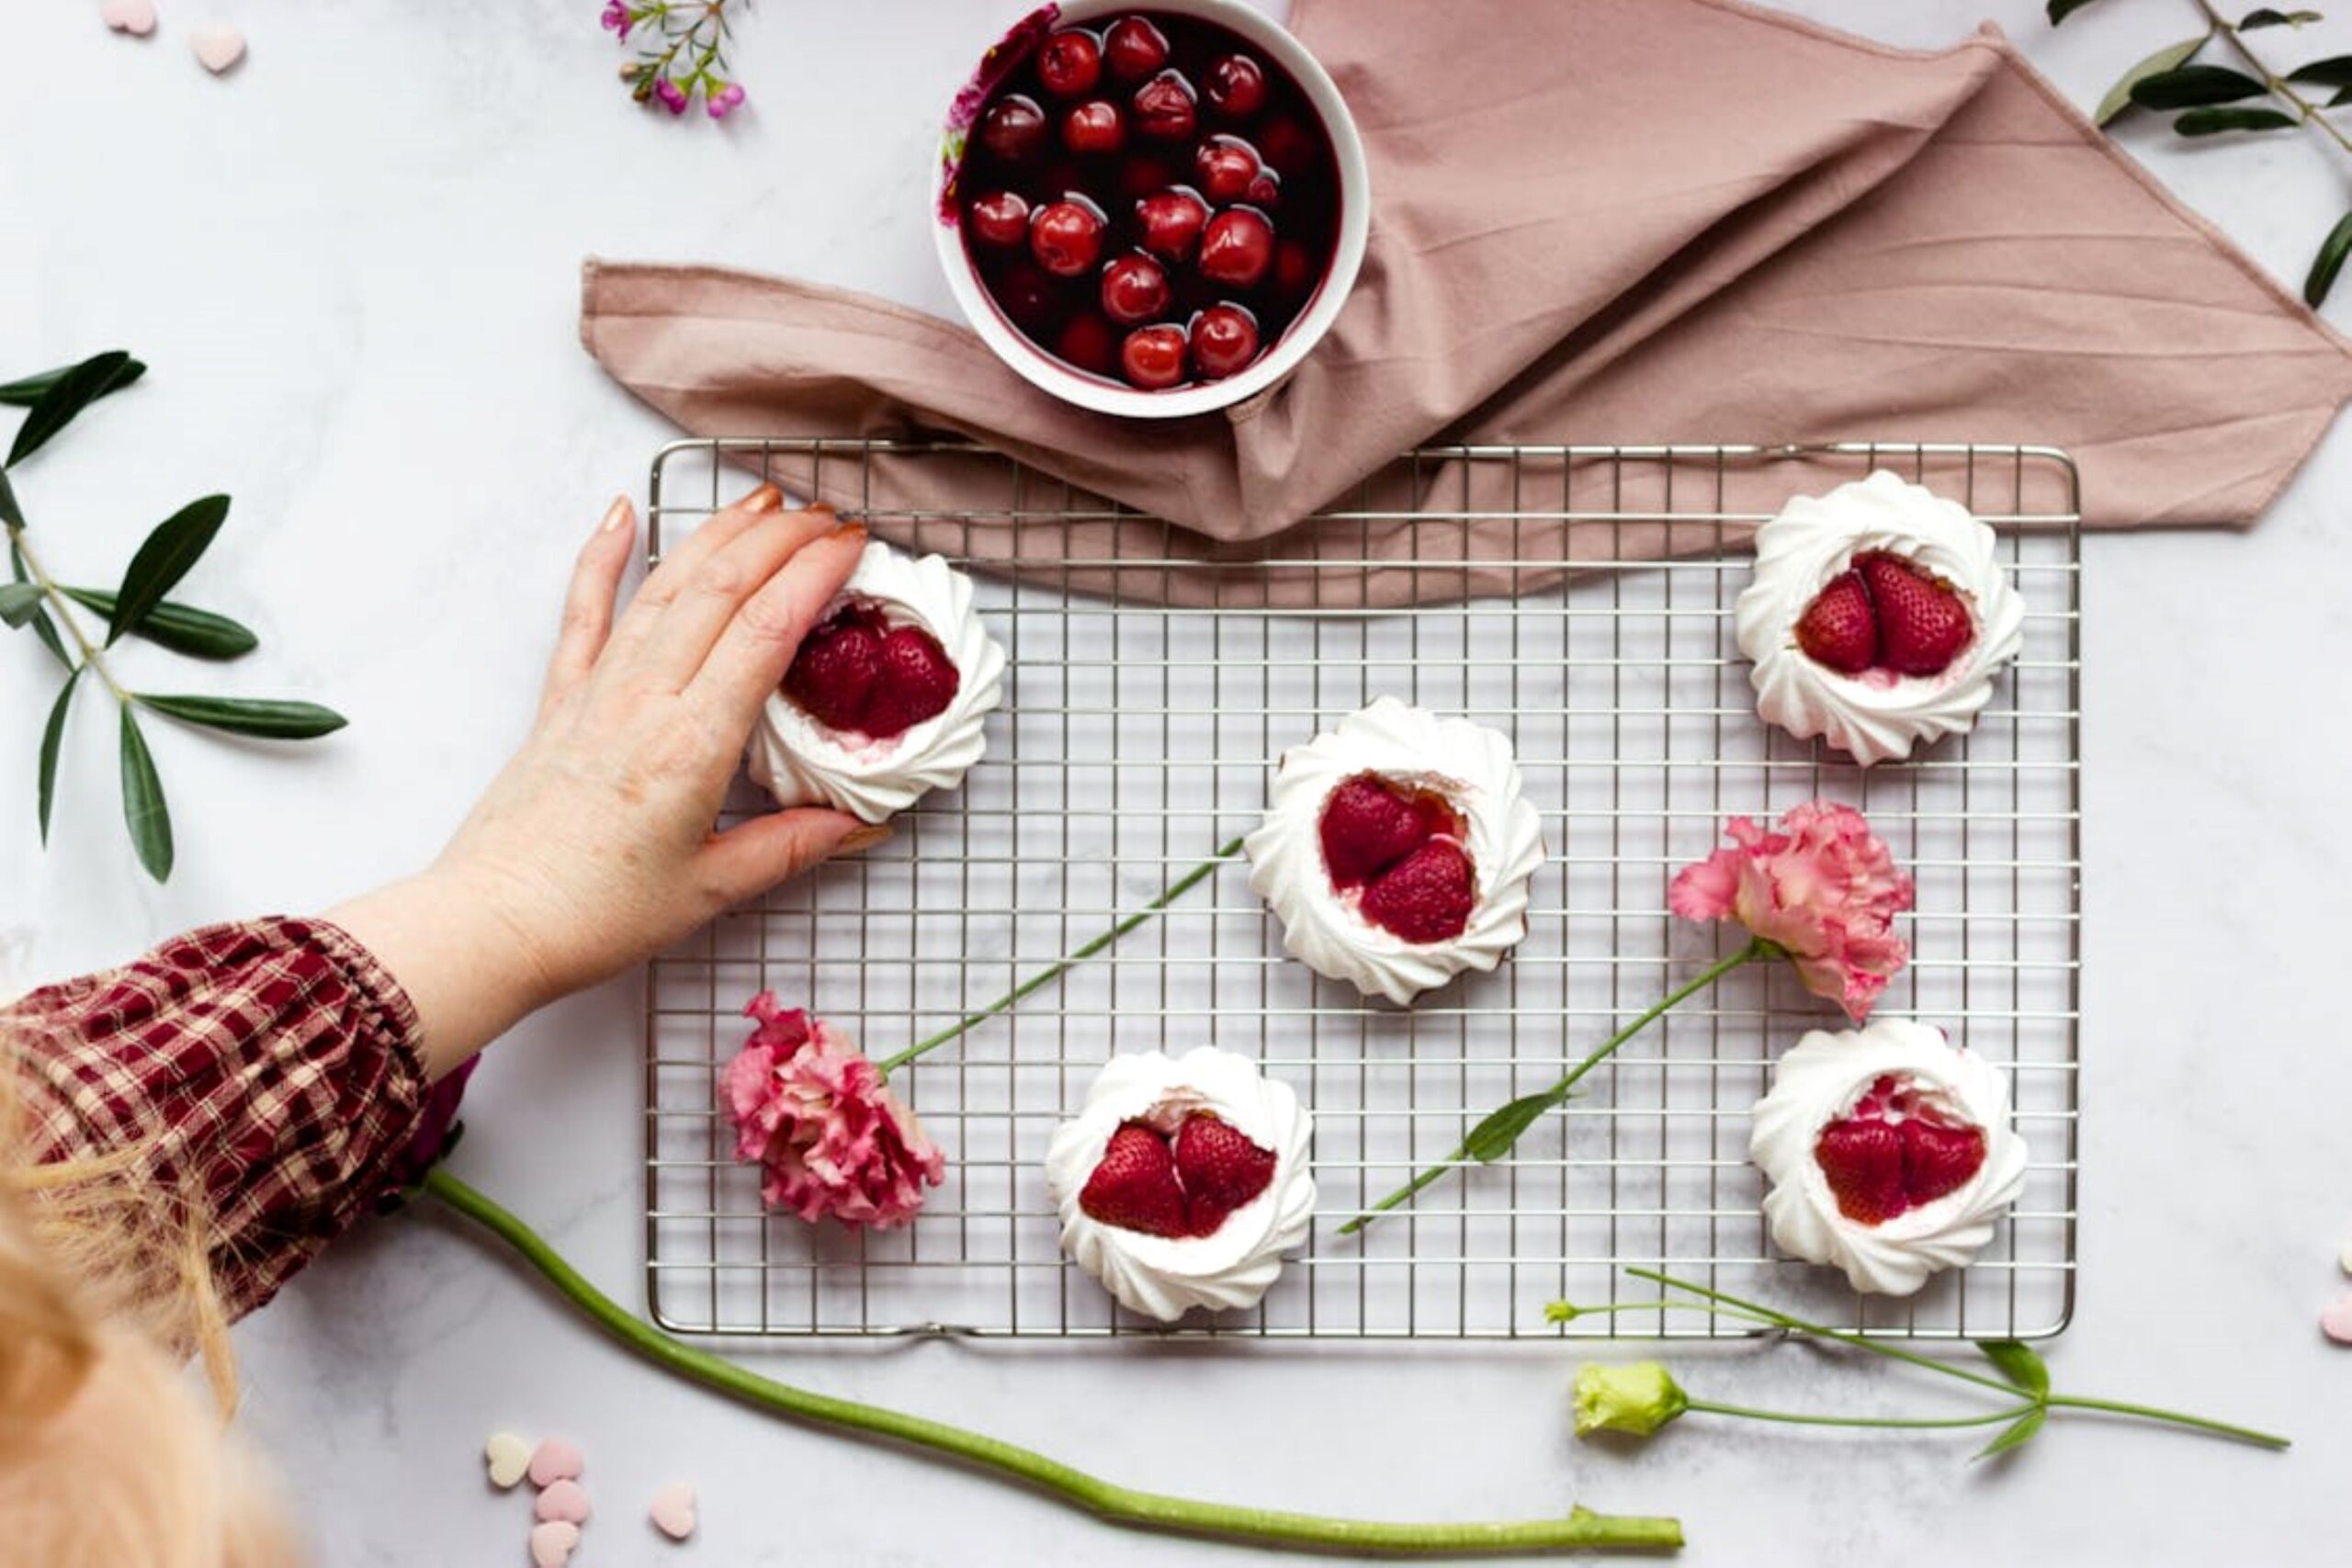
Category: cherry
[1000,219]
[1224,168]
[1069,63]
[1014,131]
[1133,49]
[1095,128]
[1293,269]
[1135,290]
[1235,86]
[1286,145]
[1090,342]
[1165,109]
[1235,248]
[1066,237]
[1265,192]
[1027,295]
[1170,224]
[1224,340]
[1153,357]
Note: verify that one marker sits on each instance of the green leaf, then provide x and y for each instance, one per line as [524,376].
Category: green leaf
[49,737]
[72,392]
[2335,71]
[175,546]
[2213,122]
[2264,16]
[2343,96]
[46,629]
[2193,87]
[1492,1138]
[10,513]
[27,392]
[2019,1363]
[2061,9]
[2172,57]
[2328,263]
[183,628]
[143,811]
[20,602]
[2017,1434]
[249,716]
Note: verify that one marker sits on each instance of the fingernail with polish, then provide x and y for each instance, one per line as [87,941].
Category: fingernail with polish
[618,514]
[864,838]
[767,498]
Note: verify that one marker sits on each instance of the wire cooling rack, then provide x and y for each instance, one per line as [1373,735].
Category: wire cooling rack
[1136,737]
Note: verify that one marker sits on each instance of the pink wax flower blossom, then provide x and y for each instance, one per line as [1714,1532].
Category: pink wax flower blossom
[723,102]
[822,1124]
[1823,888]
[618,18]
[673,96]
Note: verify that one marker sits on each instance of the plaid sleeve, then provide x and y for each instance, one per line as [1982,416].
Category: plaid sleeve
[271,1066]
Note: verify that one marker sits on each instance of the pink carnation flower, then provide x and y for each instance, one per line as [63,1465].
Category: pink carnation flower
[817,1118]
[1824,888]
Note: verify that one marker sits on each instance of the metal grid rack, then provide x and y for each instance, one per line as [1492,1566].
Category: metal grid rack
[1138,736]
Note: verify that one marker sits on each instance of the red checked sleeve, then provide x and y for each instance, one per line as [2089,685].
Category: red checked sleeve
[271,1066]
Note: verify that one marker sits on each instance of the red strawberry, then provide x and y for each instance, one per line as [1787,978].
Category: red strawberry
[1939,1157]
[1367,827]
[1134,1186]
[917,683]
[1426,897]
[1863,1164]
[1839,628]
[1922,623]
[835,674]
[1221,1170]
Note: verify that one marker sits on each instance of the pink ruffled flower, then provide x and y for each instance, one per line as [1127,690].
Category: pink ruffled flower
[1824,888]
[618,18]
[725,101]
[817,1118]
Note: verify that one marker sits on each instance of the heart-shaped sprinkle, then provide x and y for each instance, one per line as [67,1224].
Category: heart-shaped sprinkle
[555,1459]
[2336,1321]
[553,1544]
[136,17]
[509,1457]
[218,45]
[672,1510]
[566,1501]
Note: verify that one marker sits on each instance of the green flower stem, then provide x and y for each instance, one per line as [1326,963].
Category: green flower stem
[2152,1413]
[1061,966]
[63,610]
[1756,948]
[1581,1529]
[1795,1418]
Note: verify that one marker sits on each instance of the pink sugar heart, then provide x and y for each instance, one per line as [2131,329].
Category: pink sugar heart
[672,1511]
[553,1544]
[555,1459]
[136,17]
[566,1501]
[218,45]
[2336,1321]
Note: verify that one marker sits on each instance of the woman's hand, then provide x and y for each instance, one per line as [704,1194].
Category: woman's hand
[594,848]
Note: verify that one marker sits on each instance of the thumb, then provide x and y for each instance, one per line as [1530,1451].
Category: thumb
[752,857]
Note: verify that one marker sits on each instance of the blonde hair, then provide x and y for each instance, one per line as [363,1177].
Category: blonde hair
[107,1456]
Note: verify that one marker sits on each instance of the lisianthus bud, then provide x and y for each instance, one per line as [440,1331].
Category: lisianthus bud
[1638,1397]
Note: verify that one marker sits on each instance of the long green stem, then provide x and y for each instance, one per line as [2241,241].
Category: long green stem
[1473,1146]
[1581,1529]
[1797,1418]
[1062,966]
[63,610]
[2152,1413]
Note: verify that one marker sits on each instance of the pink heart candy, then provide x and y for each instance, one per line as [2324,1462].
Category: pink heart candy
[566,1501]
[555,1459]
[553,1544]
[218,45]
[672,1511]
[136,17]
[2336,1321]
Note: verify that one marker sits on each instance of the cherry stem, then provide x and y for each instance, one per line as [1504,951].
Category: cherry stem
[1061,966]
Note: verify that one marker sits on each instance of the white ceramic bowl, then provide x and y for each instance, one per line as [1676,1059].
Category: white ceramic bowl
[1109,397]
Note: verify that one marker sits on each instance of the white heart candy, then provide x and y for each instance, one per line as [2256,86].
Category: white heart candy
[566,1500]
[218,45]
[2336,1321]
[672,1511]
[553,1544]
[136,17]
[553,1461]
[509,1457]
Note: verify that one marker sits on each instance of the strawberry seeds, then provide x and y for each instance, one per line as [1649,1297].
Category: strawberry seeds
[1895,1151]
[861,675]
[1884,613]
[1185,1186]
[1400,849]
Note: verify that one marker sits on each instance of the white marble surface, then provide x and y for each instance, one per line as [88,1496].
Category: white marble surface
[352,265]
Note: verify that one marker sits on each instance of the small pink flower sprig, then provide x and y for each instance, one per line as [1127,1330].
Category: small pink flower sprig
[682,53]
[1822,892]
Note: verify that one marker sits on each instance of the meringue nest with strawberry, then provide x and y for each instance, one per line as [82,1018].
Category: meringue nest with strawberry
[1879,618]
[888,695]
[1182,1181]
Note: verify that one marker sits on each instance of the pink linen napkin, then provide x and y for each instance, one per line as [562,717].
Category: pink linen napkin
[1595,220]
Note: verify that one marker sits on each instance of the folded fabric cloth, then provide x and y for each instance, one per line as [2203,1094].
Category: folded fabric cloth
[1594,222]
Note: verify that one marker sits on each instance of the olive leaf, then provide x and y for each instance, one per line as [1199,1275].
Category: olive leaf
[2017,1434]
[53,733]
[1492,1138]
[27,392]
[72,392]
[143,810]
[2328,263]
[2172,57]
[44,627]
[248,715]
[2192,86]
[183,628]
[2213,121]
[2019,1363]
[2061,9]
[174,546]
[20,602]
[10,513]
[2335,71]
[2264,16]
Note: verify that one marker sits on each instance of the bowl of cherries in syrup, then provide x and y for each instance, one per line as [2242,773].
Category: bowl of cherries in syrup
[1151,212]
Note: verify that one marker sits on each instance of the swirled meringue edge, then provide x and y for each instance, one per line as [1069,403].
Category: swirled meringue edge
[1165,1277]
[1819,1080]
[1875,715]
[1474,767]
[803,762]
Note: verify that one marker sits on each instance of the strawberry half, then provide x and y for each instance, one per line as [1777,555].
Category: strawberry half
[1134,1187]
[1922,623]
[1220,1168]
[1368,826]
[1863,1164]
[1839,627]
[1426,897]
[1939,1158]
[1895,1152]
[858,673]
[918,682]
